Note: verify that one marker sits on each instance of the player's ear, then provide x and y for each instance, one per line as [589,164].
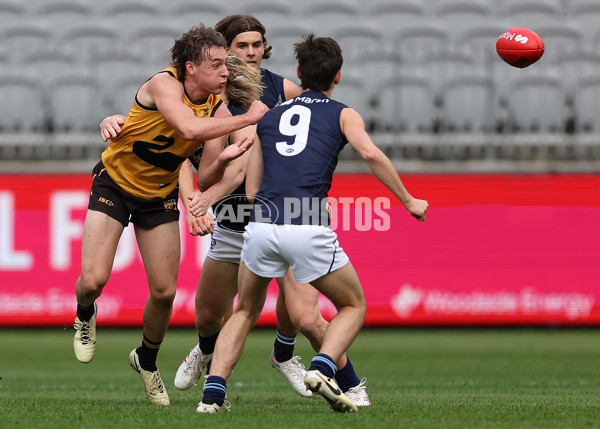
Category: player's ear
[337,77]
[190,68]
[298,72]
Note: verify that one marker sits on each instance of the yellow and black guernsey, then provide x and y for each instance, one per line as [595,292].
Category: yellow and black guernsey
[144,160]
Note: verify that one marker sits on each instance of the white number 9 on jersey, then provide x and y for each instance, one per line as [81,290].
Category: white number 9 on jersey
[298,130]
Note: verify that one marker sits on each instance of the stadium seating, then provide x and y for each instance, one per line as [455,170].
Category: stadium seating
[406,104]
[189,13]
[396,13]
[468,103]
[65,12]
[75,100]
[23,105]
[560,38]
[410,66]
[11,11]
[269,13]
[537,103]
[462,13]
[154,42]
[531,13]
[587,104]
[89,38]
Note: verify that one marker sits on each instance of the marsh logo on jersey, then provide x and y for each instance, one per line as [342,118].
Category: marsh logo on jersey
[170,204]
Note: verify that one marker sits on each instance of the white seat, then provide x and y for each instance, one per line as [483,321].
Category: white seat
[587,15]
[406,104]
[131,12]
[587,104]
[351,91]
[460,14]
[23,107]
[268,12]
[64,13]
[469,102]
[76,102]
[155,42]
[282,38]
[111,65]
[189,13]
[537,102]
[12,11]
[22,38]
[87,39]
[358,40]
[531,13]
[394,14]
[578,64]
[326,15]
[560,38]
[124,89]
[415,42]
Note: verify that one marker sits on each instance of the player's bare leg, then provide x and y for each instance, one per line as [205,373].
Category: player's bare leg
[230,344]
[100,239]
[343,288]
[306,313]
[214,298]
[162,264]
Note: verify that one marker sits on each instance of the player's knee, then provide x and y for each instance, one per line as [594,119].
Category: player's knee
[207,320]
[306,324]
[91,283]
[163,295]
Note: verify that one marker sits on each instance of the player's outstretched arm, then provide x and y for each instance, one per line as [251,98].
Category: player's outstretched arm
[166,93]
[353,128]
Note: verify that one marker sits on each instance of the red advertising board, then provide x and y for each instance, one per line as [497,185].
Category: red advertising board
[495,250]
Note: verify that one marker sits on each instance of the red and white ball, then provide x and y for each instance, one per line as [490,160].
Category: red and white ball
[520,47]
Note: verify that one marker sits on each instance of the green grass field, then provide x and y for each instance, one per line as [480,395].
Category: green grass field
[417,378]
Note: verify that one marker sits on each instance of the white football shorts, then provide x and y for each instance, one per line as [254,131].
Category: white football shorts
[225,245]
[310,250]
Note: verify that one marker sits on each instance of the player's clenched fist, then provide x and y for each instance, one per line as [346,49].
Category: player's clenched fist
[417,208]
[257,111]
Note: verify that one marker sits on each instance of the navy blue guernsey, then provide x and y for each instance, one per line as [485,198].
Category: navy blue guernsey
[228,211]
[273,93]
[301,141]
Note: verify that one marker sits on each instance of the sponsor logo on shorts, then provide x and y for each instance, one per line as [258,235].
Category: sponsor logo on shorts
[213,243]
[106,201]
[170,204]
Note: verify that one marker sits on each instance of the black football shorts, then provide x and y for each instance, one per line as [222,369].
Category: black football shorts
[107,197]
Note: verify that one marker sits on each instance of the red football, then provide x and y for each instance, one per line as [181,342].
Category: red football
[520,47]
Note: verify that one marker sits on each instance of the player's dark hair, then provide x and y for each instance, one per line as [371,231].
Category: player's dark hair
[194,46]
[232,25]
[319,59]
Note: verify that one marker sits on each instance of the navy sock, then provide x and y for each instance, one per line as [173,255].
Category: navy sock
[215,390]
[324,364]
[283,348]
[85,313]
[346,377]
[147,354]
[207,344]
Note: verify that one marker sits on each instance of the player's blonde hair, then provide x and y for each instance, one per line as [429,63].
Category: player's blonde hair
[244,84]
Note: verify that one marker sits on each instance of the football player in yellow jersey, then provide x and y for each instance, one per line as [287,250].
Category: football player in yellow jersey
[173,113]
